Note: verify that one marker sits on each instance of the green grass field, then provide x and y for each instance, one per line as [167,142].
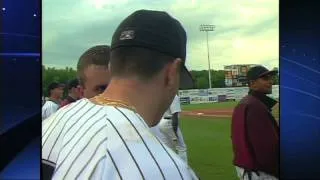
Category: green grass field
[209,147]
[223,105]
[209,143]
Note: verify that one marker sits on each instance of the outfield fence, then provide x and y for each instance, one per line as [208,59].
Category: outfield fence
[197,96]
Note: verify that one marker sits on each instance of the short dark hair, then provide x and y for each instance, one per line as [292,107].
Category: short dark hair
[142,62]
[98,55]
[54,85]
[73,83]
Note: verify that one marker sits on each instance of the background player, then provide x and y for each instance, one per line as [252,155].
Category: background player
[168,129]
[92,70]
[74,93]
[93,78]
[52,104]
[255,133]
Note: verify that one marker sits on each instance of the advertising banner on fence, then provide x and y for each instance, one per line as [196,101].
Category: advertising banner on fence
[185,100]
[197,96]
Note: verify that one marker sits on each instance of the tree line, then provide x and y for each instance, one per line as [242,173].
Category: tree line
[51,74]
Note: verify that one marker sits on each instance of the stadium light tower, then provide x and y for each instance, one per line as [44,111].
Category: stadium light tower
[206,28]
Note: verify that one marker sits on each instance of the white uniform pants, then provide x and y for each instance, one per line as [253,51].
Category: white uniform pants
[254,176]
[168,135]
[181,146]
[165,132]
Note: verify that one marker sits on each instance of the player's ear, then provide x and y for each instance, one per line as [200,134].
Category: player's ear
[173,72]
[253,84]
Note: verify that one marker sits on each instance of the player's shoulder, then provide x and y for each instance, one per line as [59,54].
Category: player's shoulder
[49,106]
[122,114]
[50,103]
[80,101]
[176,99]
[248,101]
[176,102]
[73,107]
[47,103]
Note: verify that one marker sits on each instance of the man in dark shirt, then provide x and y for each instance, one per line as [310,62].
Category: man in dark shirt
[254,131]
[73,92]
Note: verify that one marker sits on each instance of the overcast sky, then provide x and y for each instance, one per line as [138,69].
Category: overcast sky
[246,30]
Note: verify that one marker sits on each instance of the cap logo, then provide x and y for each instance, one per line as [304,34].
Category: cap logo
[125,35]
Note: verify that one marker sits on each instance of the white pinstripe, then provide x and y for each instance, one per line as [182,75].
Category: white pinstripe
[48,109]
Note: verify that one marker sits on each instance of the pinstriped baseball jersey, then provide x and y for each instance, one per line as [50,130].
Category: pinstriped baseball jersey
[49,108]
[89,141]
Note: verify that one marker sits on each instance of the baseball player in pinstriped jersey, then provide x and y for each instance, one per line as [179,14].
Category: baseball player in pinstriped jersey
[108,136]
[92,70]
[94,77]
[55,91]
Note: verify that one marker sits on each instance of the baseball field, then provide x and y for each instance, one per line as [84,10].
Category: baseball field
[206,130]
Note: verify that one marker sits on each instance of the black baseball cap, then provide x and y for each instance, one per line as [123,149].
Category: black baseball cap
[55,85]
[73,83]
[257,72]
[154,30]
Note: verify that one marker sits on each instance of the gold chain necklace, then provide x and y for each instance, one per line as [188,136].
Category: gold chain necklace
[102,100]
